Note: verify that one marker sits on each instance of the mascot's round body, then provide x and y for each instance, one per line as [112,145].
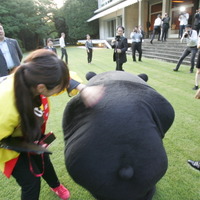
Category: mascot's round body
[115,149]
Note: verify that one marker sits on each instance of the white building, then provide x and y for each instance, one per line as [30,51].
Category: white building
[130,13]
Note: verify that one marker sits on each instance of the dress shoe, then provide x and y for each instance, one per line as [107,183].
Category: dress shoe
[175,70]
[151,42]
[140,60]
[195,87]
[194,164]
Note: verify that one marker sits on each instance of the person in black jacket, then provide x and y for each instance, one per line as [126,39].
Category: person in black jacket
[120,46]
[197,21]
[50,46]
[10,54]
[165,27]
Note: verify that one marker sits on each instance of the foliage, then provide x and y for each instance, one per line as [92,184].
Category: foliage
[31,21]
[27,20]
[75,14]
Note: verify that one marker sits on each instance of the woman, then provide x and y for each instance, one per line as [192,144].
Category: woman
[22,95]
[89,48]
[120,46]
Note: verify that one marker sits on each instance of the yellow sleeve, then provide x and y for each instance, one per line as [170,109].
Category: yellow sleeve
[9,116]
[9,119]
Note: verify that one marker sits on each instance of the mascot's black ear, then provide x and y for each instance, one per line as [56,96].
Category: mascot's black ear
[143,77]
[89,75]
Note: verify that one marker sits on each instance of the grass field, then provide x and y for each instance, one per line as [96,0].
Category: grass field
[182,142]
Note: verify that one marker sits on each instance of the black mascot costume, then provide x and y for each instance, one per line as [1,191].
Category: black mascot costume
[115,149]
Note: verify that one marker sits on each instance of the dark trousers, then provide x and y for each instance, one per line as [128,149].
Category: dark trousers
[30,184]
[197,28]
[182,27]
[64,53]
[198,60]
[119,66]
[119,63]
[89,55]
[156,30]
[137,46]
[164,32]
[193,51]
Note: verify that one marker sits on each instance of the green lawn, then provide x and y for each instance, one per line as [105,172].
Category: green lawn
[182,141]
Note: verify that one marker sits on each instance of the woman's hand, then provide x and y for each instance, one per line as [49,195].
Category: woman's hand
[91,95]
[119,50]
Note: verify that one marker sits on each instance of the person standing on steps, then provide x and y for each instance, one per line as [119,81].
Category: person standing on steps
[165,27]
[183,19]
[190,36]
[197,21]
[136,37]
[156,28]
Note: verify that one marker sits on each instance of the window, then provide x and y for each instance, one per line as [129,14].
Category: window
[155,10]
[111,28]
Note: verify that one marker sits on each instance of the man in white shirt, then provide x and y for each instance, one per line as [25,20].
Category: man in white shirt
[190,36]
[63,47]
[183,18]
[156,28]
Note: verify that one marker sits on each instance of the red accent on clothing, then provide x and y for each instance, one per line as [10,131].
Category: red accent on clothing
[9,166]
[45,104]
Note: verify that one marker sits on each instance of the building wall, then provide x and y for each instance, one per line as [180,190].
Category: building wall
[138,14]
[103,26]
[131,18]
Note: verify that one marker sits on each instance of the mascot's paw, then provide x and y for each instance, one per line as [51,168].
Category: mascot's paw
[89,75]
[144,77]
[126,173]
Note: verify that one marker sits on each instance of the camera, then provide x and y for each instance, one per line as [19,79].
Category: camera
[117,38]
[186,34]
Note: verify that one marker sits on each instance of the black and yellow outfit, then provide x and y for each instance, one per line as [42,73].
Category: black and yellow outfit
[18,164]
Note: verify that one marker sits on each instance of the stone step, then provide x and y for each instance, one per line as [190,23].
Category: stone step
[169,51]
[186,61]
[171,60]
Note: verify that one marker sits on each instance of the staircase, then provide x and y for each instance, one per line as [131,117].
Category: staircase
[169,51]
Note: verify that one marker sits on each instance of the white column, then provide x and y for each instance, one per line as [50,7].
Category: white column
[165,7]
[140,15]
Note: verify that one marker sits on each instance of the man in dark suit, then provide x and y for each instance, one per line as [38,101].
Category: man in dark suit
[50,46]
[165,27]
[197,21]
[120,46]
[10,54]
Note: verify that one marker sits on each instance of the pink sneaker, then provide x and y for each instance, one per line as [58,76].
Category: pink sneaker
[62,192]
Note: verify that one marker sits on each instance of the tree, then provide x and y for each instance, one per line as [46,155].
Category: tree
[28,21]
[76,13]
